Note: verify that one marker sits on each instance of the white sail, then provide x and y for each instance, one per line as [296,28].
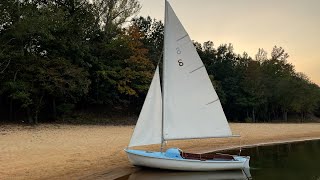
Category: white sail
[149,126]
[191,106]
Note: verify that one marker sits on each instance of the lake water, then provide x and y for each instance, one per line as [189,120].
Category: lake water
[294,161]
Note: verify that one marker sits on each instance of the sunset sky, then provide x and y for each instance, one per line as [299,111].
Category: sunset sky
[252,24]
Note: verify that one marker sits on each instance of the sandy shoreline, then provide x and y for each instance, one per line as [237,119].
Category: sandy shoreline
[89,152]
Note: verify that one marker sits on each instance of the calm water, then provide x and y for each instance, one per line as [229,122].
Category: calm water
[295,161]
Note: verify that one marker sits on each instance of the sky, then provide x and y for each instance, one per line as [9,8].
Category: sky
[252,24]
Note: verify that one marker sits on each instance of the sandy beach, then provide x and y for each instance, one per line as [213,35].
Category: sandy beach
[89,152]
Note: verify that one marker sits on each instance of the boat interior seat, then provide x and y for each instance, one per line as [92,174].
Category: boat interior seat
[207,156]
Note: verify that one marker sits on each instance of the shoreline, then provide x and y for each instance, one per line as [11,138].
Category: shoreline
[93,152]
[265,144]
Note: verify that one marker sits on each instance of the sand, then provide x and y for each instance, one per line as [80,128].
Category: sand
[88,152]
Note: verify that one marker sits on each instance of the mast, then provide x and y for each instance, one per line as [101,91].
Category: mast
[162,80]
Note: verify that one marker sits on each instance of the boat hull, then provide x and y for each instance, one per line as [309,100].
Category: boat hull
[153,160]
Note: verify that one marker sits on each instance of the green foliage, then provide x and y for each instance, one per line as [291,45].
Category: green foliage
[65,108]
[57,57]
[46,55]
[152,38]
[264,89]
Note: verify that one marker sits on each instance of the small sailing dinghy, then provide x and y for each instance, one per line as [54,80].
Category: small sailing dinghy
[187,107]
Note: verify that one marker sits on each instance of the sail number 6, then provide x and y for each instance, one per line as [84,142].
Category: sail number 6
[180,62]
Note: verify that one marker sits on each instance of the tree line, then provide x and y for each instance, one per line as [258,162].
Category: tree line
[62,56]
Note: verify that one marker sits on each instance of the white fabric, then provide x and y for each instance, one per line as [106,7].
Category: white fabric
[191,106]
[149,126]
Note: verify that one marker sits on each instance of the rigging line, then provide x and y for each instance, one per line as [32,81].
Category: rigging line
[182,37]
[196,69]
[213,101]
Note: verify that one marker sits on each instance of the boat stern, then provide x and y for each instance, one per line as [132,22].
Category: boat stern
[246,163]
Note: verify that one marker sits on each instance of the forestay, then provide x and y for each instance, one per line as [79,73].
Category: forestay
[149,126]
[191,106]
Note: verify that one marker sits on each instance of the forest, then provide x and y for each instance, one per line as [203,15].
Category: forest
[62,58]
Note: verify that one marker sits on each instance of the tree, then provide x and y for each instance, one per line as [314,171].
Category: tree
[130,77]
[57,55]
[38,71]
[111,14]
[262,55]
[253,88]
[152,32]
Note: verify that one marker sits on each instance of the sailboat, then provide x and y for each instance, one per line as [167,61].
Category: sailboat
[186,106]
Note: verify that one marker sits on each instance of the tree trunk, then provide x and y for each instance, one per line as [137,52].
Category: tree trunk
[285,116]
[54,109]
[274,114]
[37,110]
[36,117]
[30,120]
[11,100]
[11,110]
[302,117]
[253,115]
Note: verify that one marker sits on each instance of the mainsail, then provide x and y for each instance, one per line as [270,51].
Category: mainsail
[191,106]
[149,125]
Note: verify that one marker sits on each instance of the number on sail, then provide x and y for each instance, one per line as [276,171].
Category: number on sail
[180,62]
[178,50]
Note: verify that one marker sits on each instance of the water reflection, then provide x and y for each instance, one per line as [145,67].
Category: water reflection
[176,175]
[294,161]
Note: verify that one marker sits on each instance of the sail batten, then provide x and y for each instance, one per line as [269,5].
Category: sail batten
[213,101]
[182,37]
[197,69]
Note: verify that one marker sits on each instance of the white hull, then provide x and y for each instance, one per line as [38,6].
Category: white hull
[187,164]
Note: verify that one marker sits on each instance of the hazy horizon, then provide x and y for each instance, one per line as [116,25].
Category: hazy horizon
[250,25]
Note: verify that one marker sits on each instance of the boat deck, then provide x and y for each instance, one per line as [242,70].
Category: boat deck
[177,154]
[207,156]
